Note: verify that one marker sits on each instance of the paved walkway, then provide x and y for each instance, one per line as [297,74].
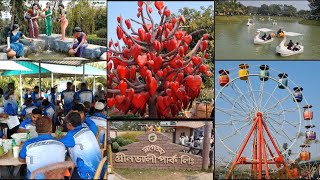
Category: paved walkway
[115,176]
[201,176]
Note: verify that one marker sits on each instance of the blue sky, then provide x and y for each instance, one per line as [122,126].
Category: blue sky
[301,4]
[302,73]
[129,10]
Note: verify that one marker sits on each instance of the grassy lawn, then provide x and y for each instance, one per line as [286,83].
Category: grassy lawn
[158,174]
[310,22]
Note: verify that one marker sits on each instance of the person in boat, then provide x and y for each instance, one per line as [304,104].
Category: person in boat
[297,47]
[279,31]
[264,36]
[290,45]
[269,37]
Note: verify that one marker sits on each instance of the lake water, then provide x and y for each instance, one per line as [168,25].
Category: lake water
[235,41]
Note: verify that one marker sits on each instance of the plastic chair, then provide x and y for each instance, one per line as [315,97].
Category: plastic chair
[100,168]
[54,171]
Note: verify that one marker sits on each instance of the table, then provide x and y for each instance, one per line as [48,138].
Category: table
[9,160]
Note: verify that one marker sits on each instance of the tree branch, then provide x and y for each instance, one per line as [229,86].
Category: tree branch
[129,62]
[152,22]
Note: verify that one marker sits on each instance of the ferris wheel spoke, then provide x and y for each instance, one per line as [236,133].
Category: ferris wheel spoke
[261,94]
[286,110]
[226,111]
[236,131]
[270,96]
[279,102]
[284,133]
[288,122]
[230,99]
[231,122]
[272,127]
[238,90]
[248,82]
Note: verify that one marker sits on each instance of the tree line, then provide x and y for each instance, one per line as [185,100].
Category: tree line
[233,7]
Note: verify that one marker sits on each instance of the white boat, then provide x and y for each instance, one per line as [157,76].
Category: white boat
[274,22]
[282,48]
[258,40]
[250,22]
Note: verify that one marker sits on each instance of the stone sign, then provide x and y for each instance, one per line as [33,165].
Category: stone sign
[155,150]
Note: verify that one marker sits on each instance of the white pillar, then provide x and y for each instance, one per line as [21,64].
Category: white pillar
[20,85]
[83,73]
[40,76]
[94,85]
[52,79]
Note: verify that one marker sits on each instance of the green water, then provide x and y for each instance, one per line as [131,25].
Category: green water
[47,55]
[235,41]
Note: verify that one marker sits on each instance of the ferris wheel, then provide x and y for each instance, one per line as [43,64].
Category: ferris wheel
[262,119]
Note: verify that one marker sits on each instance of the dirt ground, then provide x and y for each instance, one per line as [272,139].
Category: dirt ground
[143,174]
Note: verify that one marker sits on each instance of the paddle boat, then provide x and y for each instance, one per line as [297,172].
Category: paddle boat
[258,40]
[250,22]
[274,22]
[282,48]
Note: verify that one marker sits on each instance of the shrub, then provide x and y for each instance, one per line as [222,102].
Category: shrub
[115,147]
[102,33]
[131,136]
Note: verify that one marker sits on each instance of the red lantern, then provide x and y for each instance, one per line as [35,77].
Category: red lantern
[224,77]
[307,114]
[305,155]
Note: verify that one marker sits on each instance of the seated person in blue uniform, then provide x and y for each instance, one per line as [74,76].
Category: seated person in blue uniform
[48,110]
[86,121]
[52,96]
[88,109]
[27,109]
[42,150]
[84,94]
[100,118]
[36,96]
[27,123]
[83,149]
[9,101]
[67,98]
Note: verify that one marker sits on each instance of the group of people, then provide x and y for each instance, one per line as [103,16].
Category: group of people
[32,15]
[293,47]
[265,38]
[83,115]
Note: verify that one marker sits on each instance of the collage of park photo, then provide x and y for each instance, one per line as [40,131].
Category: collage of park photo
[139,90]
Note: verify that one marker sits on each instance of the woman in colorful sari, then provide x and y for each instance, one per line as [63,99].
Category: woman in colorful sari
[13,40]
[81,43]
[32,15]
[63,20]
[48,20]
